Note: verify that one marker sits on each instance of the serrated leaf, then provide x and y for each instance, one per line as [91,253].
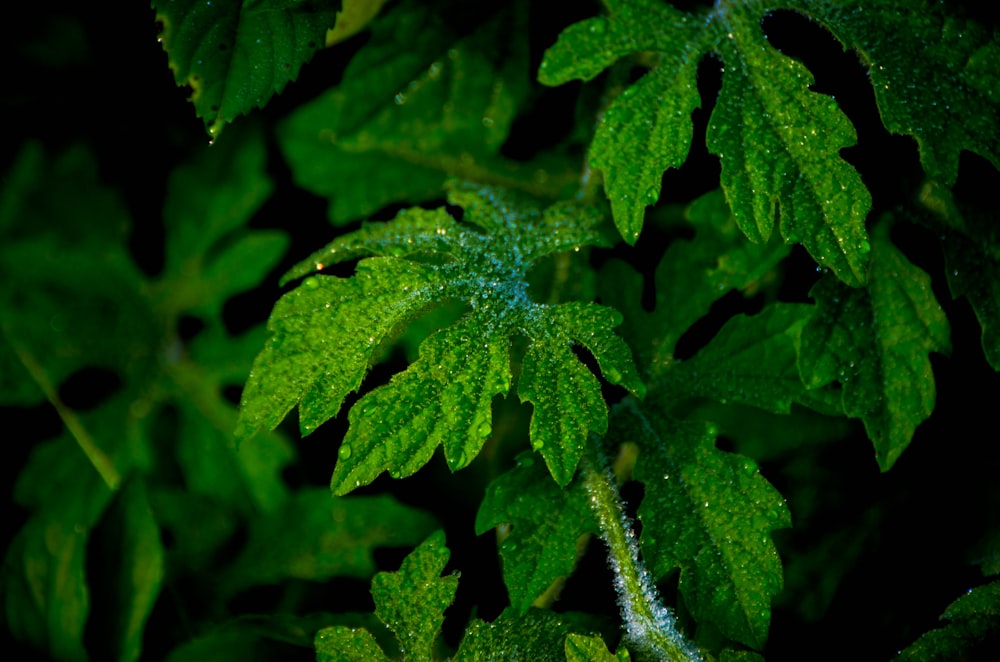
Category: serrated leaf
[581,648]
[935,74]
[417,105]
[537,635]
[411,602]
[316,536]
[751,360]
[974,623]
[326,333]
[709,514]
[875,342]
[779,142]
[236,55]
[548,523]
[692,274]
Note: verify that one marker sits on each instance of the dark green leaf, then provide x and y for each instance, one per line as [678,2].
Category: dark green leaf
[316,536]
[875,342]
[709,514]
[236,55]
[548,524]
[975,621]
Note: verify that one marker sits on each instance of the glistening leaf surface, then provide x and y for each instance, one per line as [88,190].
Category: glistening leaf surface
[326,332]
[973,625]
[411,602]
[875,341]
[235,55]
[709,514]
[779,143]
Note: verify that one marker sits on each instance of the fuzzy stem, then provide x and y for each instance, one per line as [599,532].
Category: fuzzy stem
[650,628]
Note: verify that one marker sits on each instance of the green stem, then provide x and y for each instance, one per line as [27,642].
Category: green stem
[101,462]
[650,628]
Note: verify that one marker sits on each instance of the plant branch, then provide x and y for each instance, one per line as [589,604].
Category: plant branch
[649,626]
[98,458]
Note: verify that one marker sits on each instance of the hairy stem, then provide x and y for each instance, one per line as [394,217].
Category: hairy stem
[650,628]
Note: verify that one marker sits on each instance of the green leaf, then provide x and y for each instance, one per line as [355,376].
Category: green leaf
[779,143]
[417,105]
[581,648]
[875,342]
[548,524]
[236,55]
[325,335]
[935,75]
[46,596]
[751,360]
[316,537]
[411,602]
[971,245]
[141,569]
[692,275]
[709,514]
[974,624]
[537,635]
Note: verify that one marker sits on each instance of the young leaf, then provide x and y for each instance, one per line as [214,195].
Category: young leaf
[974,622]
[875,342]
[709,514]
[548,523]
[326,332]
[411,602]
[235,55]
[581,648]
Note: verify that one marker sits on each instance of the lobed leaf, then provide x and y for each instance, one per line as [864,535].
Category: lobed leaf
[326,332]
[548,523]
[236,55]
[709,514]
[875,342]
[778,142]
[411,602]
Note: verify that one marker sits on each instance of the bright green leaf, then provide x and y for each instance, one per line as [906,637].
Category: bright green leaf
[537,635]
[236,55]
[875,342]
[548,523]
[411,602]
[581,648]
[974,624]
[709,514]
[325,335]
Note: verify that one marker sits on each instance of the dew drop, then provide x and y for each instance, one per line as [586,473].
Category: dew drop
[597,27]
[345,452]
[865,247]
[310,283]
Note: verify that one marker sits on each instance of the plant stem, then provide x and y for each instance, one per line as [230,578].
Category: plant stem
[650,628]
[98,458]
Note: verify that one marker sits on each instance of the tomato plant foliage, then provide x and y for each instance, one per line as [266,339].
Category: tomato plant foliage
[605,332]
